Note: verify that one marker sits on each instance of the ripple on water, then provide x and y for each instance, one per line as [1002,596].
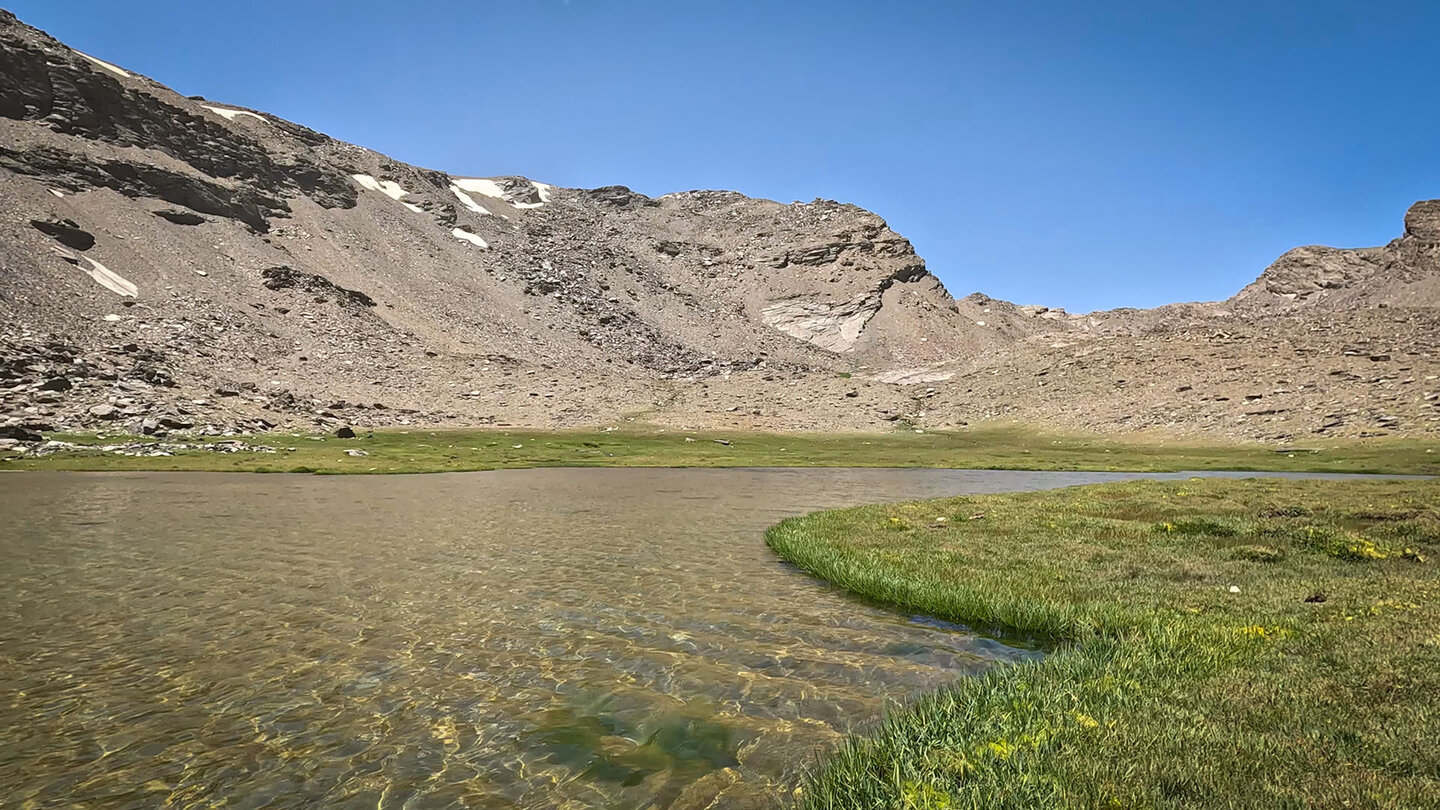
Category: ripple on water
[587,638]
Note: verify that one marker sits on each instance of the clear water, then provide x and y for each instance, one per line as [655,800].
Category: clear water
[536,639]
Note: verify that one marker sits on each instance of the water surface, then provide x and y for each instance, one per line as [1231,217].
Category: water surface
[582,638]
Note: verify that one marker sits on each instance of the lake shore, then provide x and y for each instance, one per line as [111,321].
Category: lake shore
[1258,643]
[991,447]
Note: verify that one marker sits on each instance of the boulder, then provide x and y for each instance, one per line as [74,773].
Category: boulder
[180,217]
[66,232]
[20,434]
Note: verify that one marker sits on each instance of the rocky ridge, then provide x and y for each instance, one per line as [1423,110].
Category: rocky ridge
[177,265]
[1404,273]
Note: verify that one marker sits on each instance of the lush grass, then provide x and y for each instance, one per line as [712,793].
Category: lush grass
[1317,684]
[980,448]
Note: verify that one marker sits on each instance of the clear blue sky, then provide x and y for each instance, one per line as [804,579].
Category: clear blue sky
[1084,155]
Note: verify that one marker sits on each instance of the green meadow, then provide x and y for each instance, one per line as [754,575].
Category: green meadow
[996,447]
[1213,643]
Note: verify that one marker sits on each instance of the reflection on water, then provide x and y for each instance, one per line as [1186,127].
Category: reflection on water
[541,638]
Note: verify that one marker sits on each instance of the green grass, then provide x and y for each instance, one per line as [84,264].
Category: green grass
[1316,685]
[980,448]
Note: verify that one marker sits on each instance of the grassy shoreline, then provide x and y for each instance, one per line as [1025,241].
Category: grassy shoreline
[1260,643]
[990,447]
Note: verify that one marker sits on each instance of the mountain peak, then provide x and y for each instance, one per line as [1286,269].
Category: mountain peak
[226,268]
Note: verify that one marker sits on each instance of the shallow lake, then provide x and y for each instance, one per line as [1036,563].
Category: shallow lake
[540,638]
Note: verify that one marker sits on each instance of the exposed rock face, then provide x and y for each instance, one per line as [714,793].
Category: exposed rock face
[1422,223]
[1405,272]
[65,231]
[836,327]
[72,95]
[185,264]
[285,278]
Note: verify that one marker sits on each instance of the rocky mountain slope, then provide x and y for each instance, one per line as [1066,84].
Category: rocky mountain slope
[172,263]
[1404,273]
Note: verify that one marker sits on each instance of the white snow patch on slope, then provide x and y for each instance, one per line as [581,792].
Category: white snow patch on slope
[102,63]
[480,185]
[229,114]
[389,188]
[490,188]
[466,236]
[466,200]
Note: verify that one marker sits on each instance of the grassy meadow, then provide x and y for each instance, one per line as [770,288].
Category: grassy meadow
[1217,643]
[989,447]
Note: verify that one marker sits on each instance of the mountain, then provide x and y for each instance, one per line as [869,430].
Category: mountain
[174,263]
[1405,272]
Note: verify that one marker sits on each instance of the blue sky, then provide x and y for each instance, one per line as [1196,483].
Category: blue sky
[1084,155]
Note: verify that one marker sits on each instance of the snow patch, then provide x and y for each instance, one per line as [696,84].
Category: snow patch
[106,65]
[490,188]
[229,114]
[57,192]
[466,200]
[389,188]
[466,236]
[480,185]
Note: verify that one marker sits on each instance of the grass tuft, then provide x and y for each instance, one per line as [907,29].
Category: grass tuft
[1251,644]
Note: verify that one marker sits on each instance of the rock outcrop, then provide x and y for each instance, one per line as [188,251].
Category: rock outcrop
[1405,272]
